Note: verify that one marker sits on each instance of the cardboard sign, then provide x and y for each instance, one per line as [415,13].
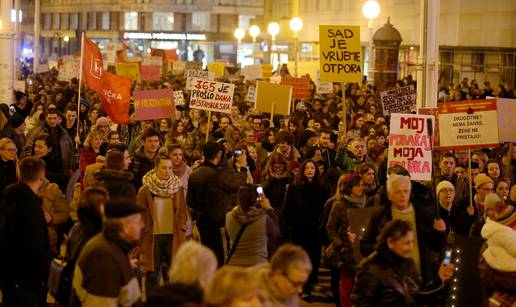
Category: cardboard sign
[468,124]
[199,74]
[212,96]
[506,110]
[399,100]
[129,70]
[251,94]
[257,71]
[217,68]
[70,69]
[179,98]
[268,94]
[190,81]
[300,86]
[340,54]
[154,104]
[410,144]
[151,68]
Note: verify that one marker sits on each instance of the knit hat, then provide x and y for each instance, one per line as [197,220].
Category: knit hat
[305,136]
[84,102]
[482,179]
[102,121]
[505,215]
[491,200]
[442,185]
[121,207]
[19,95]
[16,120]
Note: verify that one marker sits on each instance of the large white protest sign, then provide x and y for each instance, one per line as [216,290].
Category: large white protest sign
[399,100]
[70,69]
[179,98]
[192,74]
[410,144]
[251,94]
[468,124]
[212,96]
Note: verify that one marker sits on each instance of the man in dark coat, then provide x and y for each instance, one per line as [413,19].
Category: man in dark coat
[24,241]
[114,177]
[143,159]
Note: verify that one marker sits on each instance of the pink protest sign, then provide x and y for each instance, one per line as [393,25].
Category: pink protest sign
[154,104]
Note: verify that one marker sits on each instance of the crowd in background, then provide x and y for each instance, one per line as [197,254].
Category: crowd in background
[130,201]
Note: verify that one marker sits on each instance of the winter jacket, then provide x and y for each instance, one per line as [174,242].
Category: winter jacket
[26,238]
[7,174]
[89,172]
[118,183]
[146,199]
[500,253]
[461,188]
[337,228]
[63,142]
[428,239]
[88,156]
[18,139]
[103,275]
[275,188]
[175,295]
[140,166]
[211,192]
[262,226]
[54,203]
[347,162]
[385,279]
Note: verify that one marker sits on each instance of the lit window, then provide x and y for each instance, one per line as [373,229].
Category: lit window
[201,21]
[105,20]
[163,21]
[131,21]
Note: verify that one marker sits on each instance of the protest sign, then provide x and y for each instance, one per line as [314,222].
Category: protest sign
[323,87]
[19,85]
[129,70]
[340,54]
[70,69]
[410,144]
[256,71]
[251,94]
[178,67]
[151,68]
[273,98]
[154,104]
[212,96]
[192,75]
[399,100]
[434,112]
[168,56]
[300,86]
[468,124]
[232,73]
[506,110]
[217,68]
[179,98]
[193,65]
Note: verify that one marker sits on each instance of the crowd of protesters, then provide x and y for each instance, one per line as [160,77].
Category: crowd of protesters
[119,210]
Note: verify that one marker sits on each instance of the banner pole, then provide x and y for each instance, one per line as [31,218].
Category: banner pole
[470,180]
[77,137]
[343,94]
[208,127]
[272,114]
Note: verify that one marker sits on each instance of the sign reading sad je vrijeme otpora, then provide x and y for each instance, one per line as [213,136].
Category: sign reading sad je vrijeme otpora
[340,54]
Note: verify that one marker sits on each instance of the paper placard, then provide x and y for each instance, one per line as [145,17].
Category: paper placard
[340,54]
[410,144]
[256,71]
[269,93]
[192,74]
[468,124]
[399,100]
[179,98]
[70,69]
[129,70]
[300,86]
[154,104]
[506,119]
[217,68]
[251,94]
[212,96]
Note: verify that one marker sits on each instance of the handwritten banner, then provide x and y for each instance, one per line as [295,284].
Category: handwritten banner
[192,74]
[340,54]
[399,100]
[129,70]
[212,96]
[468,124]
[410,144]
[179,98]
[70,69]
[251,94]
[154,104]
[507,119]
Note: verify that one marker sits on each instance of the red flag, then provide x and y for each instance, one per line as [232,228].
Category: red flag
[115,96]
[93,65]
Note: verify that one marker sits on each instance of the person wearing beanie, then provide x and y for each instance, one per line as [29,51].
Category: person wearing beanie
[14,130]
[483,185]
[22,105]
[497,262]
[115,176]
[104,275]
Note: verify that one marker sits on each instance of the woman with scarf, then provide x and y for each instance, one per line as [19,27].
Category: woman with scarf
[165,219]
[350,194]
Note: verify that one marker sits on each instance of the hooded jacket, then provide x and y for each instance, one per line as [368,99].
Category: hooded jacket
[118,183]
[252,247]
[500,253]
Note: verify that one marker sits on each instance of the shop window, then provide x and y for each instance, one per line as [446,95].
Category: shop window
[74,21]
[201,21]
[131,21]
[478,61]
[163,21]
[244,21]
[56,21]
[105,20]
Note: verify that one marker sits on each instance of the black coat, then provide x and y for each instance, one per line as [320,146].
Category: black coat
[385,279]
[173,295]
[7,174]
[25,256]
[118,183]
[274,188]
[428,239]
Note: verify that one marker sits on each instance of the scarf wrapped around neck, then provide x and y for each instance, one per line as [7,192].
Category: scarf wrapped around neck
[159,187]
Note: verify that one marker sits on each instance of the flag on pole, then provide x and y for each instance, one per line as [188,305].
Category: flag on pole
[114,91]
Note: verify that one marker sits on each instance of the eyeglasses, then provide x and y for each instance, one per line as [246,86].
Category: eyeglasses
[295,284]
[447,190]
[10,149]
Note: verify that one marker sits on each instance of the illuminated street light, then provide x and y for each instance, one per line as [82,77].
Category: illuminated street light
[273,28]
[296,24]
[239,34]
[371,9]
[66,38]
[254,31]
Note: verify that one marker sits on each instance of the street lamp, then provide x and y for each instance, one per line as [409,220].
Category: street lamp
[273,28]
[254,31]
[239,34]
[370,10]
[296,24]
[66,38]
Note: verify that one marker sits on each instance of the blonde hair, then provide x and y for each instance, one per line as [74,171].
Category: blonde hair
[6,141]
[194,264]
[93,133]
[229,284]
